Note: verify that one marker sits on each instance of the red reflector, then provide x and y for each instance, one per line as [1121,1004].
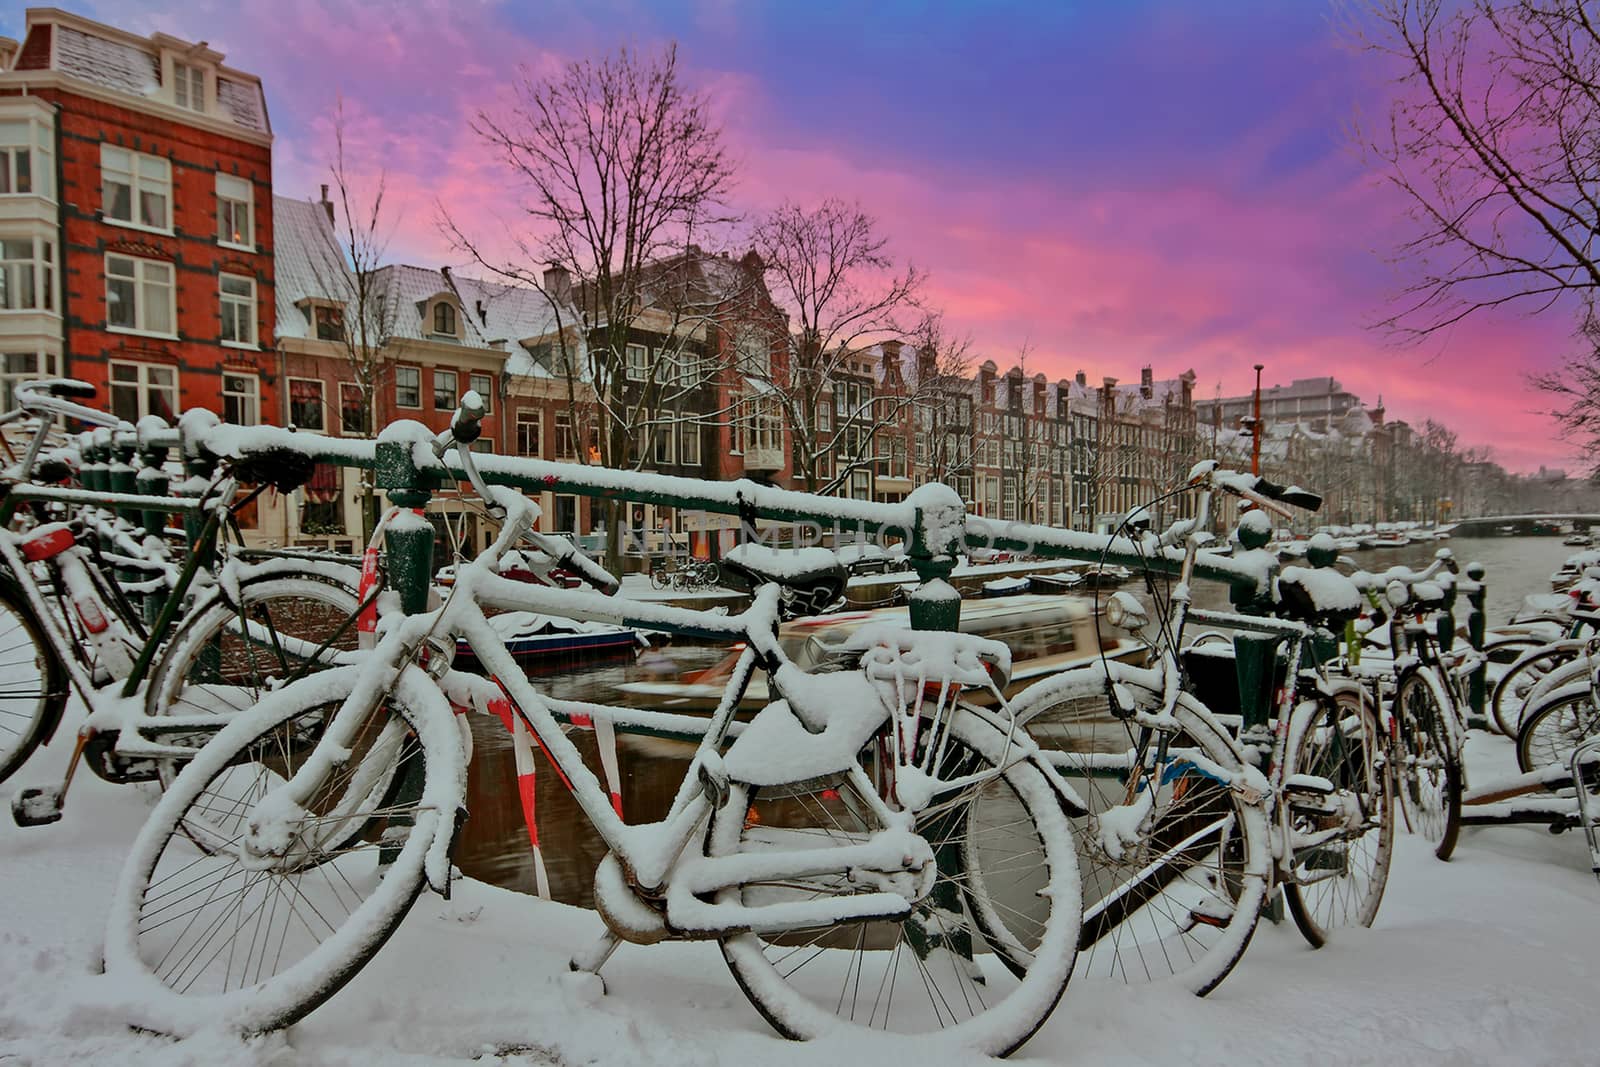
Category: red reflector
[46,543]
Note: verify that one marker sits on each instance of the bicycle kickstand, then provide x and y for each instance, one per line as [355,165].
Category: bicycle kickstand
[591,959]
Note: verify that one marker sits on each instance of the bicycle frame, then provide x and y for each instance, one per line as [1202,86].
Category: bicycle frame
[651,855]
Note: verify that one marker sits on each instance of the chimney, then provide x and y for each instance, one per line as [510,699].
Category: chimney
[327,206]
[483,312]
[1147,382]
[557,282]
[1082,379]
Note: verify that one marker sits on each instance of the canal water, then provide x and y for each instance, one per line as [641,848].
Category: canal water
[495,846]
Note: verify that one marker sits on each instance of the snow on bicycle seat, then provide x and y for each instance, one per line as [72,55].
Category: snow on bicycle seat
[1320,596]
[66,388]
[813,579]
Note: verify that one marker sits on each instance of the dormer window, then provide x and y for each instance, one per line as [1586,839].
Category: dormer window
[444,319]
[189,87]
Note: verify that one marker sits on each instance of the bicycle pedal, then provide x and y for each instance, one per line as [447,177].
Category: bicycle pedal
[37,806]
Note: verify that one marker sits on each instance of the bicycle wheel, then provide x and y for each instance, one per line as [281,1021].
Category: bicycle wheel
[1512,690]
[1428,767]
[1342,840]
[254,940]
[1174,879]
[33,681]
[710,573]
[1556,726]
[1005,873]
[227,656]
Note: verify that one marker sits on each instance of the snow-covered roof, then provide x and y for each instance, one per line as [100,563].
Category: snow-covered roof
[306,262]
[114,59]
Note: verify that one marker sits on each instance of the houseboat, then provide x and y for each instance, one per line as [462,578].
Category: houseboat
[1046,635]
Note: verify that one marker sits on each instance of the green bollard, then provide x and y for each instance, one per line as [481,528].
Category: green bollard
[408,560]
[1477,632]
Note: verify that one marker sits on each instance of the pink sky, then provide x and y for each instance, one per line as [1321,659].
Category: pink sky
[1144,184]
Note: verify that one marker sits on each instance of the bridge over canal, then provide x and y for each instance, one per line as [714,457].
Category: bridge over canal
[1525,525]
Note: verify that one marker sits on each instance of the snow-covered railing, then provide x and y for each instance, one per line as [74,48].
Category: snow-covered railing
[932,520]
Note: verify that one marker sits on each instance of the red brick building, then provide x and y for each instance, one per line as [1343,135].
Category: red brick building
[144,167]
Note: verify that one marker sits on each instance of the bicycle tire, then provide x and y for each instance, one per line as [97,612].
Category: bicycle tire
[33,681]
[1189,920]
[816,1004]
[141,941]
[1513,688]
[216,665]
[1428,770]
[1555,727]
[1319,744]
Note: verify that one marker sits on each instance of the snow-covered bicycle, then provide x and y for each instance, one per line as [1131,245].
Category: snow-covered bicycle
[1202,802]
[868,851]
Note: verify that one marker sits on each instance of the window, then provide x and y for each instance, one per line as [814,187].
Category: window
[238,311]
[135,189]
[663,451]
[305,404]
[444,319]
[755,357]
[320,510]
[638,363]
[27,274]
[689,444]
[445,386]
[140,389]
[566,442]
[139,296]
[329,323]
[352,410]
[241,399]
[20,366]
[530,433]
[189,87]
[235,212]
[483,385]
[25,150]
[407,387]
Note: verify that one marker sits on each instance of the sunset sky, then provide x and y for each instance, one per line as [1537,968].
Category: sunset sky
[1112,184]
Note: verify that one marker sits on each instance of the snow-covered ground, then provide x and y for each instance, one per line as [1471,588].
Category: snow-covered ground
[1492,958]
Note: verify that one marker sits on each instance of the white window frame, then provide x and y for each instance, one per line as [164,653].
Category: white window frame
[238,194]
[38,140]
[143,174]
[486,391]
[45,365]
[142,269]
[184,76]
[455,379]
[689,453]
[242,304]
[663,450]
[636,360]
[249,413]
[416,386]
[144,383]
[356,388]
[322,404]
[41,266]
[527,417]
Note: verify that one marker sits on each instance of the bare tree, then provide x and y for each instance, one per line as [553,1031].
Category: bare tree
[829,268]
[347,262]
[1493,137]
[620,166]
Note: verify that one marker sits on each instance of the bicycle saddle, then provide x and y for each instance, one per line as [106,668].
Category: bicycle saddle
[66,388]
[1319,596]
[812,579]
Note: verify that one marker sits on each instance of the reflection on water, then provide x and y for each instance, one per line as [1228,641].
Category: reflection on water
[494,845]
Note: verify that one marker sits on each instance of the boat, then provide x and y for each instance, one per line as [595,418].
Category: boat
[1105,576]
[1578,540]
[1391,541]
[1005,587]
[1059,582]
[1347,544]
[1567,575]
[530,635]
[1046,635]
